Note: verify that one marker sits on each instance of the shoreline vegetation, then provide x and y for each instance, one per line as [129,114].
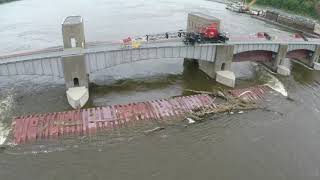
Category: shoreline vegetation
[309,8]
[6,1]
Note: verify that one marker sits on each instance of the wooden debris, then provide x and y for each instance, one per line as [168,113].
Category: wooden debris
[232,104]
[150,131]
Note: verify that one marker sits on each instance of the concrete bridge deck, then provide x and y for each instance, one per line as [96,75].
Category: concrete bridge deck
[109,46]
[76,60]
[48,60]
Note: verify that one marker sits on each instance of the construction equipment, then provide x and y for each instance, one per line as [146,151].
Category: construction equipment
[129,42]
[248,6]
[208,34]
[136,44]
[240,7]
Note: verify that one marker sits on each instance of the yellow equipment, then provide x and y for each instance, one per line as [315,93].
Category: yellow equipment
[247,7]
[136,44]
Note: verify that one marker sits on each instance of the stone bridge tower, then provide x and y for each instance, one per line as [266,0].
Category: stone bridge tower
[74,66]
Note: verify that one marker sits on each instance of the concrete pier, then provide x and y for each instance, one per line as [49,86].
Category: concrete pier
[281,55]
[283,70]
[226,78]
[222,64]
[74,66]
[315,58]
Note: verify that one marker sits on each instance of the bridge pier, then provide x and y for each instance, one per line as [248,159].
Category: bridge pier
[316,58]
[220,68]
[74,66]
[278,65]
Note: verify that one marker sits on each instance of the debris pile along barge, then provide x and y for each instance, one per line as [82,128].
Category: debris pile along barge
[29,129]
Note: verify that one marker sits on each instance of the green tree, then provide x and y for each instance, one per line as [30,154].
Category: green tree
[305,7]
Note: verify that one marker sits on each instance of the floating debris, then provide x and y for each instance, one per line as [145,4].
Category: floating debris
[148,132]
[190,121]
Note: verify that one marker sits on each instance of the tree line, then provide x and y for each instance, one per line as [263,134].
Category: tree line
[305,7]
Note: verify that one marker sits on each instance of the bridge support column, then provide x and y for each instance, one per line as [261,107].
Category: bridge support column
[283,70]
[74,66]
[316,58]
[220,68]
[278,65]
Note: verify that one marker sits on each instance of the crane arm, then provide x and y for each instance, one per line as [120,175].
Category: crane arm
[247,7]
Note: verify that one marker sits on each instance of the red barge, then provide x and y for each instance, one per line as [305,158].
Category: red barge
[29,129]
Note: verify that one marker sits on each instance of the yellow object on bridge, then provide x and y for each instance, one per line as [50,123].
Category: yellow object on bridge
[136,44]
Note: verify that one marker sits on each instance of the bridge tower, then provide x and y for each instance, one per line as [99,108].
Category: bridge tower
[74,64]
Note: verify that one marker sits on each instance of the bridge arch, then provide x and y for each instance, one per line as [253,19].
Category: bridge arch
[255,56]
[97,61]
[300,54]
[247,47]
[301,46]
[49,66]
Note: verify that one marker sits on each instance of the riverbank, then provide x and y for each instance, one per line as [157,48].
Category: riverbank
[306,8]
[296,23]
[291,20]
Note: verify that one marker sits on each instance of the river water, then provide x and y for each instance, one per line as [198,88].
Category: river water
[278,142]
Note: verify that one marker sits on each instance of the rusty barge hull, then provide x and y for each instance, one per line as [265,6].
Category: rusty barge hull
[29,129]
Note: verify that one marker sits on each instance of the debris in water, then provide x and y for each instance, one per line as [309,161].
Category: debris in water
[190,121]
[147,132]
[240,112]
[221,94]
[2,149]
[276,85]
[244,93]
[290,99]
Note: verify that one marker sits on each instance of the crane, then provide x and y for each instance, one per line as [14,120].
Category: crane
[247,7]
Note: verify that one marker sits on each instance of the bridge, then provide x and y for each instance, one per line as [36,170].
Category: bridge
[76,60]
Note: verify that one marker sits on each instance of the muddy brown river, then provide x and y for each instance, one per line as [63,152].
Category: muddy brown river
[281,141]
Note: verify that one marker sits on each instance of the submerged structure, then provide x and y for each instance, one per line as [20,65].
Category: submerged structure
[86,122]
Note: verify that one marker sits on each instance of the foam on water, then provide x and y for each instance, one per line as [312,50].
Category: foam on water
[275,84]
[6,104]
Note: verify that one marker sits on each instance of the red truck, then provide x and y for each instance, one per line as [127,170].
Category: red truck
[208,34]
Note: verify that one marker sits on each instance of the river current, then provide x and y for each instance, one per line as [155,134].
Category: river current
[280,141]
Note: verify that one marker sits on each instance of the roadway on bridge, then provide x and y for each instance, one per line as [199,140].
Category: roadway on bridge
[160,41]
